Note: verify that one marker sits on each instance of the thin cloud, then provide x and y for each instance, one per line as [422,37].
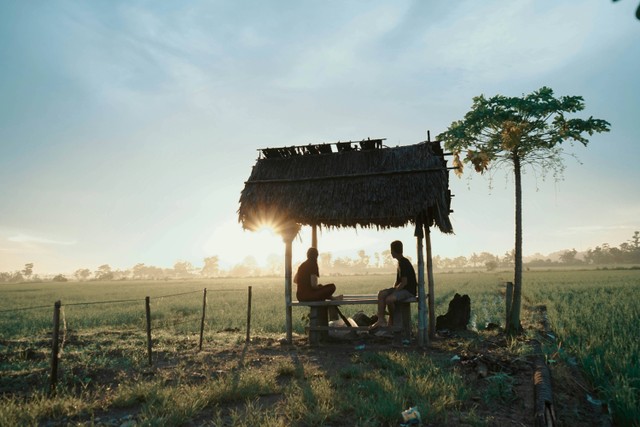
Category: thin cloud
[23,238]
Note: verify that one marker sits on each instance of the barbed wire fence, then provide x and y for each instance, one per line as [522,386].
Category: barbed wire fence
[60,330]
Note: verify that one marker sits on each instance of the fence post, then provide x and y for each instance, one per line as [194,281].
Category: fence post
[249,316]
[55,347]
[148,310]
[509,302]
[204,310]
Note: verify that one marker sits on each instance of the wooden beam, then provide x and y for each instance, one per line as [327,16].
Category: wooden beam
[347,176]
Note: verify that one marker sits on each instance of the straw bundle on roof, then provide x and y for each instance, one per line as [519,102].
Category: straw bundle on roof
[383,188]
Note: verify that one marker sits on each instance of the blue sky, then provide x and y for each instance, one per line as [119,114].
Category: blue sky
[127,129]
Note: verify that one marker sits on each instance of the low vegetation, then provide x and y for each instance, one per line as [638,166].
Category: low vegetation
[105,378]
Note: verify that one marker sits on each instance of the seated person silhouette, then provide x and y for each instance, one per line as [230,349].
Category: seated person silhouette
[306,279]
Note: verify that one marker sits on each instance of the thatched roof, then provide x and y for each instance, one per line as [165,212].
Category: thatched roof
[369,187]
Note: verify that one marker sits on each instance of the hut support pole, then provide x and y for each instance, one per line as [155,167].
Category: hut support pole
[314,236]
[287,236]
[422,314]
[287,288]
[431,295]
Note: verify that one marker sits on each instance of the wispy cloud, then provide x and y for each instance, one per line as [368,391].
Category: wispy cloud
[492,42]
[23,238]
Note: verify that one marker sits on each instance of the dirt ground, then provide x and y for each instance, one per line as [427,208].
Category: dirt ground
[478,358]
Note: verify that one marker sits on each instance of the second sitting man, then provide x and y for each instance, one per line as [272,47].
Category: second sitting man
[404,288]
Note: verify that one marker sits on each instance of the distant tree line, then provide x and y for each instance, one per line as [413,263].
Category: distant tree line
[380,262]
[626,253]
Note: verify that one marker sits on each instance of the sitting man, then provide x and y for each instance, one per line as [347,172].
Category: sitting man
[307,280]
[405,287]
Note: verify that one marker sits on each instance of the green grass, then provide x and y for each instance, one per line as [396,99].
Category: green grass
[595,315]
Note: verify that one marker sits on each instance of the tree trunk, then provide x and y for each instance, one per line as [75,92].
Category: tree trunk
[514,324]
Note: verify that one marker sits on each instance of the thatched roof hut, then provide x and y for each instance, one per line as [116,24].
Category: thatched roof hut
[375,187]
[349,184]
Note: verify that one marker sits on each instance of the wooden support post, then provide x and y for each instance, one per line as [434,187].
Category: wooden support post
[287,290]
[431,295]
[148,311]
[55,347]
[249,316]
[314,236]
[204,312]
[422,313]
[288,234]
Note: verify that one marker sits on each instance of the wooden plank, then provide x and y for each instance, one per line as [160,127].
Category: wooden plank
[347,176]
[364,300]
[353,328]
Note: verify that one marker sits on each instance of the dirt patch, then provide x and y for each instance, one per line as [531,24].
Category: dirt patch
[497,370]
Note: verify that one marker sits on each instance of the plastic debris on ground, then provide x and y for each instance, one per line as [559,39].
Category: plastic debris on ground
[410,417]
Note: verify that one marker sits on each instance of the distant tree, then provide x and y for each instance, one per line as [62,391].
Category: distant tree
[121,274]
[568,257]
[387,259]
[599,255]
[156,273]
[104,272]
[459,262]
[508,258]
[275,264]
[342,263]
[491,265]
[325,261]
[138,271]
[486,257]
[28,270]
[363,259]
[183,269]
[437,261]
[248,267]
[59,278]
[82,274]
[211,266]
[635,241]
[376,260]
[519,131]
[474,259]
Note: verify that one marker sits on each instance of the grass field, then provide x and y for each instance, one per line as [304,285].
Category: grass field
[594,314]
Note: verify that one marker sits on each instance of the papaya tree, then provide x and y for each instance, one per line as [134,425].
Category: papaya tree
[516,132]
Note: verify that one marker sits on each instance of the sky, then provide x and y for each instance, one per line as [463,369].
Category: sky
[128,128]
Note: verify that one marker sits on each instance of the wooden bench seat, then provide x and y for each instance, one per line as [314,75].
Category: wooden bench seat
[319,317]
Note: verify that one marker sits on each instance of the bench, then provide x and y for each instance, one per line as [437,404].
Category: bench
[319,316]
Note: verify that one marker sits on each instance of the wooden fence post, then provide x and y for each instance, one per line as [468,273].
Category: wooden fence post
[249,316]
[55,347]
[508,301]
[148,310]
[204,311]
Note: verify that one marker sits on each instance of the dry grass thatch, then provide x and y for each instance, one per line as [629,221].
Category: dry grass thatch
[383,188]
